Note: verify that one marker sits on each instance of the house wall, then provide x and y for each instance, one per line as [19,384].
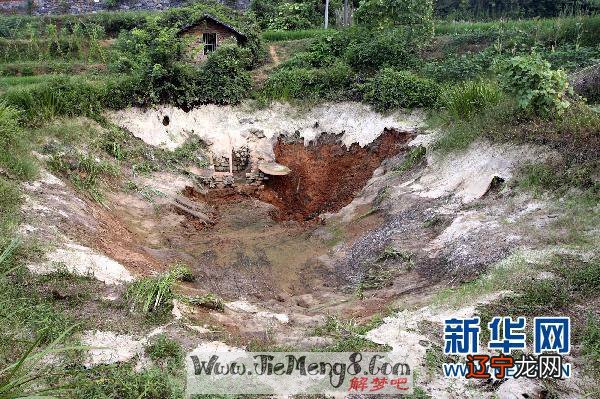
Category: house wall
[194,34]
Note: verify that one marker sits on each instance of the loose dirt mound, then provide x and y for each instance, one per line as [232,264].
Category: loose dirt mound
[326,175]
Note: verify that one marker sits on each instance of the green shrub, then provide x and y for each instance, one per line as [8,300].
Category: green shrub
[538,89]
[372,50]
[328,83]
[467,99]
[308,60]
[224,77]
[150,55]
[457,68]
[15,155]
[391,89]
[415,17]
[335,43]
[291,16]
[365,50]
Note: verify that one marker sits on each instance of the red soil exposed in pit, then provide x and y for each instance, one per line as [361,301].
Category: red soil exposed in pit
[326,175]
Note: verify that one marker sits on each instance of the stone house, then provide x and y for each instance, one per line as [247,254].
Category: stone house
[207,34]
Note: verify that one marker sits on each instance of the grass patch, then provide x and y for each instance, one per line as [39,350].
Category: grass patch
[458,134]
[29,72]
[10,203]
[581,29]
[414,157]
[31,328]
[571,281]
[349,335]
[559,179]
[146,159]
[71,131]
[434,358]
[152,294]
[15,158]
[27,377]
[574,134]
[590,345]
[166,352]
[155,294]
[124,382]
[208,301]
[313,84]
[501,276]
[84,171]
[465,100]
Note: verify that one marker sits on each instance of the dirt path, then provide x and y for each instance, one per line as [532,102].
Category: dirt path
[274,55]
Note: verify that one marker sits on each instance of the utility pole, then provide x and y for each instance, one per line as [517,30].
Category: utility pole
[346,13]
[326,14]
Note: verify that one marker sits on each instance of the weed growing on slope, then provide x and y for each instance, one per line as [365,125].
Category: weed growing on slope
[559,179]
[153,294]
[392,89]
[84,171]
[375,277]
[10,202]
[166,352]
[209,301]
[124,382]
[183,272]
[571,281]
[348,334]
[27,376]
[590,344]
[468,99]
[68,96]
[414,157]
[15,157]
[145,159]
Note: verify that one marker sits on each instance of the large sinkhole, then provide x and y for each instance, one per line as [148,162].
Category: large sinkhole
[238,245]
[326,175]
